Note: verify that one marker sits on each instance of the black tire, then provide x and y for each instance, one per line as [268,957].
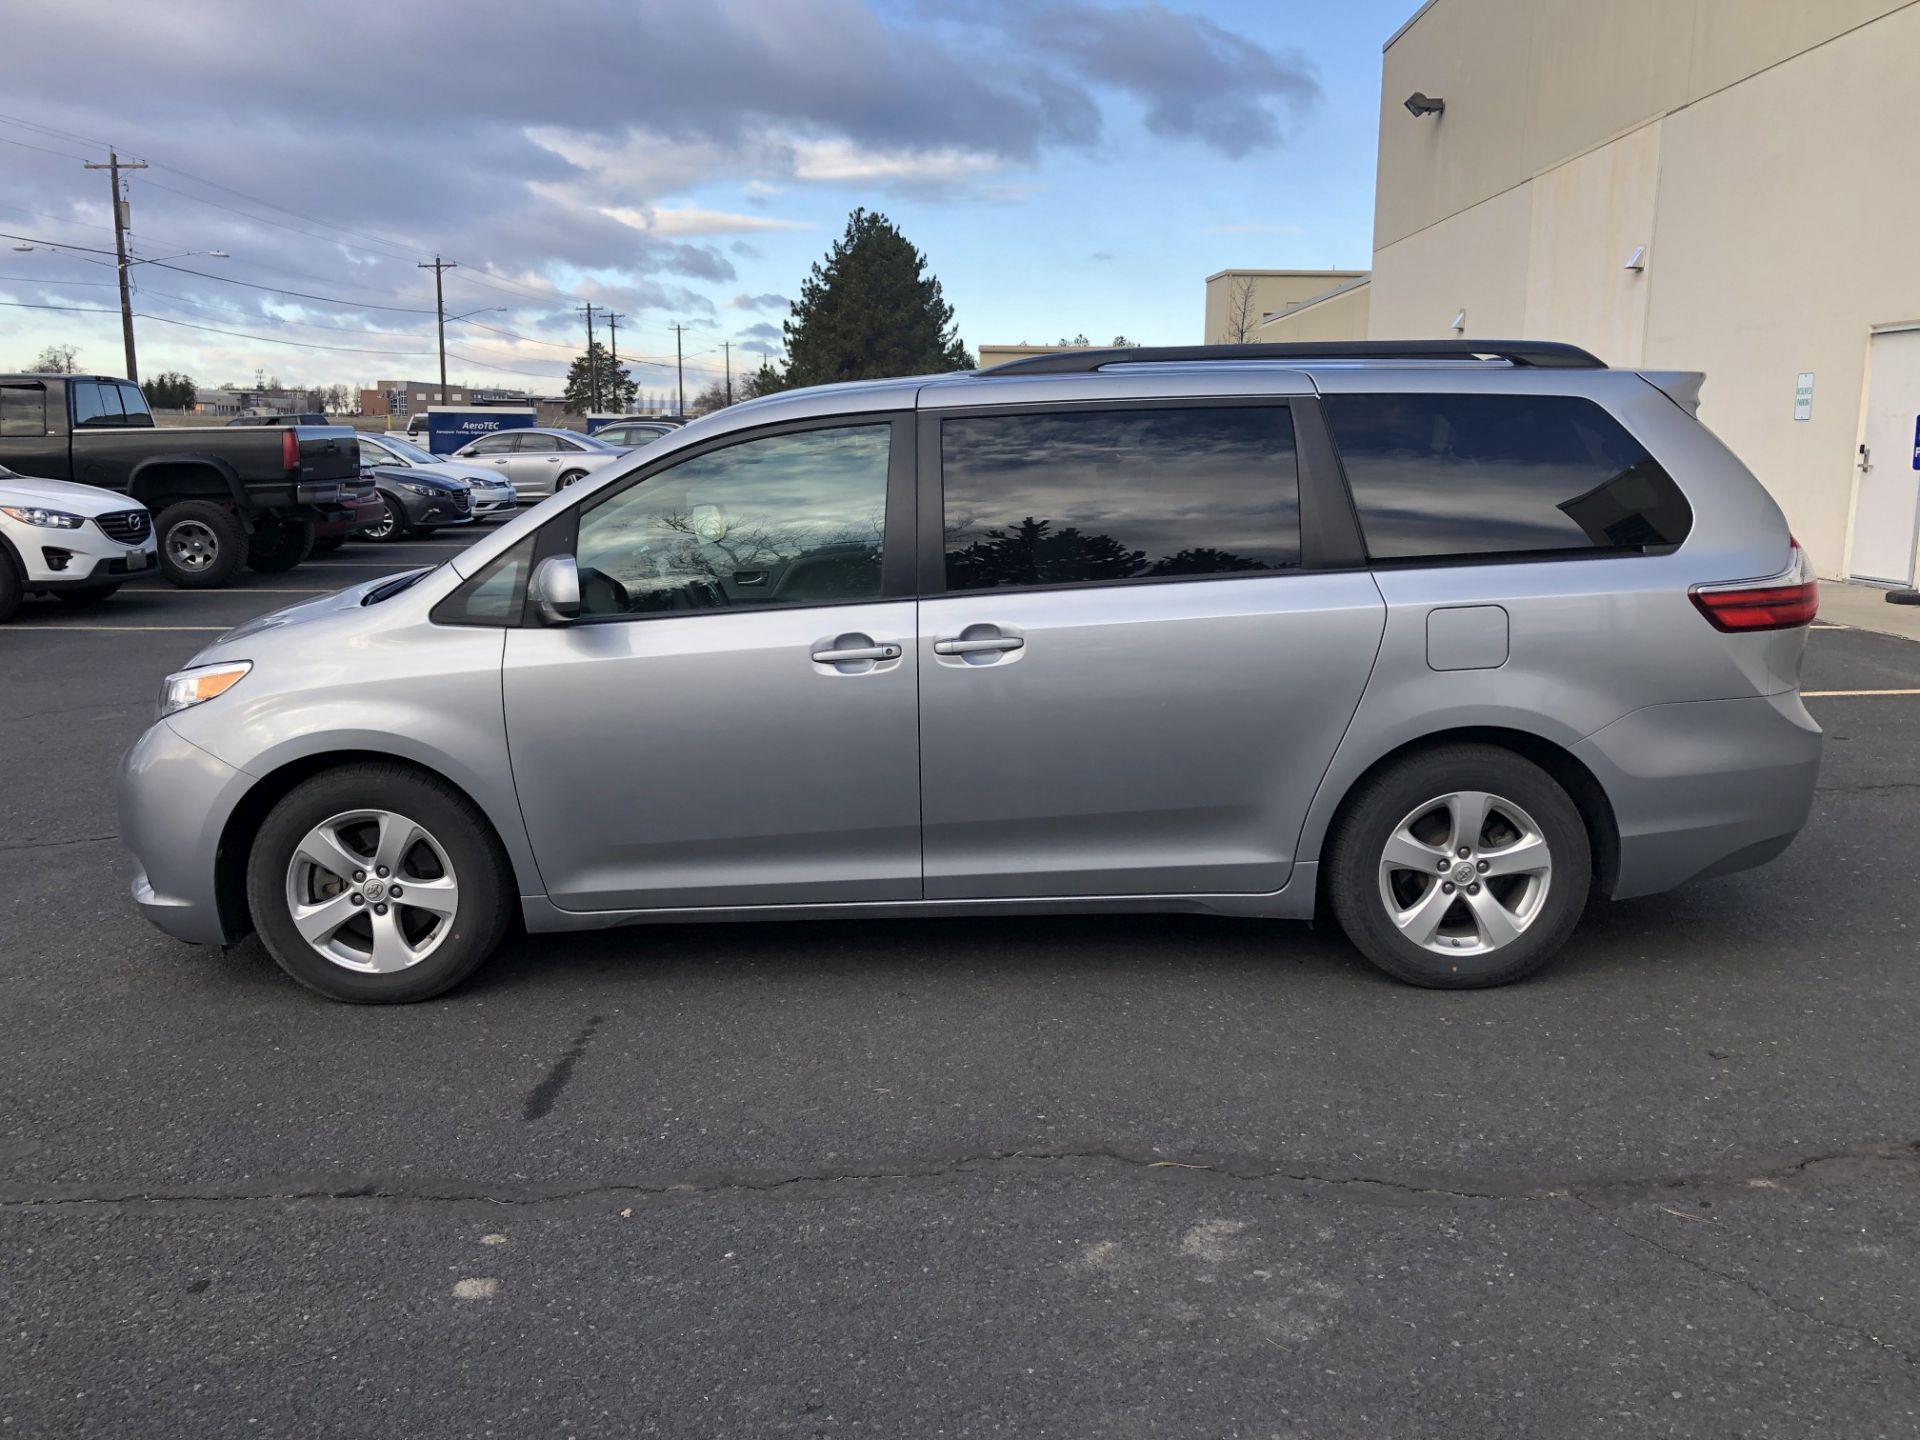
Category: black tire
[86,599]
[219,548]
[1374,813]
[279,543]
[329,545]
[572,477]
[391,528]
[480,869]
[10,587]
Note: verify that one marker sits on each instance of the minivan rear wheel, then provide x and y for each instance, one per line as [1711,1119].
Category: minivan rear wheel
[376,884]
[1460,867]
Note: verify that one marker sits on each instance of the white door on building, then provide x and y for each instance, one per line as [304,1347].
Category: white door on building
[1886,519]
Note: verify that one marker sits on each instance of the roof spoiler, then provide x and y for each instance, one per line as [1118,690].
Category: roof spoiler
[1544,354]
[1680,386]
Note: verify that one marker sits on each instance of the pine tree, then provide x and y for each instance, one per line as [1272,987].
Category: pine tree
[616,389]
[869,310]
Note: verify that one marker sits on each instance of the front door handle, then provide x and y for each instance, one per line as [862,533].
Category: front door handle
[977,647]
[857,652]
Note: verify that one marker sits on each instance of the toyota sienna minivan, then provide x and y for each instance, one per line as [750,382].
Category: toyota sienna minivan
[1439,638]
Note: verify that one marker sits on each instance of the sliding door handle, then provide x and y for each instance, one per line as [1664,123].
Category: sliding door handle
[977,647]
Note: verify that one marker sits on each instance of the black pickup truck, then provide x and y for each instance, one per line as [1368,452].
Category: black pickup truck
[221,498]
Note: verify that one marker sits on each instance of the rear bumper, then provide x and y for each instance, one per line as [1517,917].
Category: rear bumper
[352,515]
[175,799]
[1705,788]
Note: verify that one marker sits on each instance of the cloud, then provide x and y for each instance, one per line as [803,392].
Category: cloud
[745,251]
[760,302]
[697,220]
[760,347]
[1101,256]
[763,331]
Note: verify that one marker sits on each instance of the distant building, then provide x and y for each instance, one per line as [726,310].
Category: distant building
[991,355]
[1241,302]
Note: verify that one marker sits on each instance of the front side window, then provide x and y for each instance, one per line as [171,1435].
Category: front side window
[1438,476]
[1080,497]
[23,409]
[794,519]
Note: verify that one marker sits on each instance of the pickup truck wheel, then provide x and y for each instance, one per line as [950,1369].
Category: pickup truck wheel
[202,544]
[279,543]
[329,545]
[9,586]
[87,598]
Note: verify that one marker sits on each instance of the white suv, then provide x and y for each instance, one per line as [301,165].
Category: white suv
[73,541]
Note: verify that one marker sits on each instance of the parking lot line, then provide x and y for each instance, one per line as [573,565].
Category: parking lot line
[32,629]
[256,590]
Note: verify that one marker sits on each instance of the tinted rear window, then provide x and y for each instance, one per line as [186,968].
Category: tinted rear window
[1458,475]
[1071,498]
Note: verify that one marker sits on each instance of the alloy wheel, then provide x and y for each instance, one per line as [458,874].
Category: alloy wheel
[192,545]
[1465,873]
[372,891]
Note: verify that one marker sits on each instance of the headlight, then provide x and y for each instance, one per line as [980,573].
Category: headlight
[185,688]
[428,491]
[40,515]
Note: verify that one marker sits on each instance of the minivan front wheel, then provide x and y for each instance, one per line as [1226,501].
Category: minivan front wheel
[1460,867]
[376,884]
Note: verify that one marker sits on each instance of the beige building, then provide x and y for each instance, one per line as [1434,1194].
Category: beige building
[992,355]
[1239,302]
[1730,186]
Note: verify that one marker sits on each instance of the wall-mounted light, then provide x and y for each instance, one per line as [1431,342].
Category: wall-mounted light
[1638,259]
[1418,104]
[1460,323]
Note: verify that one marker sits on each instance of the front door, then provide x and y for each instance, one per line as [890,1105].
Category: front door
[1130,686]
[733,719]
[1887,510]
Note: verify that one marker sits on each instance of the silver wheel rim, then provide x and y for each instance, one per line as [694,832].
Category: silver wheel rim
[1465,874]
[382,527]
[572,477]
[372,891]
[192,545]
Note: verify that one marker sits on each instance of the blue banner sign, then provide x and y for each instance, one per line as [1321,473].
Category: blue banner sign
[449,429]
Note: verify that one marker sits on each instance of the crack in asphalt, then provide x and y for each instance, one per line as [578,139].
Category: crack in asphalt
[1754,1287]
[48,844]
[1380,1189]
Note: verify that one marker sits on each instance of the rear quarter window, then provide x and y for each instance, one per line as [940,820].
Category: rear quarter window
[1456,476]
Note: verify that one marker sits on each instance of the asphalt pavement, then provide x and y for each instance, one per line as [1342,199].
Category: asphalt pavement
[1045,1177]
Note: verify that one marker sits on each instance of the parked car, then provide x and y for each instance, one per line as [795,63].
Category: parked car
[539,462]
[632,434]
[417,426]
[493,494]
[75,542]
[311,417]
[1440,637]
[221,498]
[415,503]
[360,507]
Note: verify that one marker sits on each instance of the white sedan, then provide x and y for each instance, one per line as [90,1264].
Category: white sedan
[74,541]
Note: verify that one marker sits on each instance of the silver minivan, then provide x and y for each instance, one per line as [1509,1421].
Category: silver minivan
[1442,638]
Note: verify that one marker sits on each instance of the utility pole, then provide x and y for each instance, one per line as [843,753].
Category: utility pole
[680,370]
[613,343]
[438,267]
[113,167]
[727,346]
[593,370]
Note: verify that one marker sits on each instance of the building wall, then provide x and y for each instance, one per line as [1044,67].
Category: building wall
[991,355]
[1338,317]
[1272,290]
[1760,149]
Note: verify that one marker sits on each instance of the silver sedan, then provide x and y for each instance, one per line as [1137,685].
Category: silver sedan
[538,462]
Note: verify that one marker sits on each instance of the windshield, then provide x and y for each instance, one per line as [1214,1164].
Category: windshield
[407,450]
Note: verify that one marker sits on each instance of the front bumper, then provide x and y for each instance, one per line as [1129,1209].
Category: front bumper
[175,800]
[78,559]
[434,510]
[352,515]
[1705,787]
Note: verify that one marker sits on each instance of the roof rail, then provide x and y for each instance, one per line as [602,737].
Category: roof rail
[1540,354]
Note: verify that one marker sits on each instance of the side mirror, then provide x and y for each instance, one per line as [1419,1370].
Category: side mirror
[556,589]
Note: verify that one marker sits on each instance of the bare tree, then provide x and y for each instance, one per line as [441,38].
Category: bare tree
[1242,315]
[56,360]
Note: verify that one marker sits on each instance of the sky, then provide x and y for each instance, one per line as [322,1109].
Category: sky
[1067,166]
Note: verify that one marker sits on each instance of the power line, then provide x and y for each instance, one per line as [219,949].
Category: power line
[9,140]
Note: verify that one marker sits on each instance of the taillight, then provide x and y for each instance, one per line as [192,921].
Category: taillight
[289,450]
[1783,602]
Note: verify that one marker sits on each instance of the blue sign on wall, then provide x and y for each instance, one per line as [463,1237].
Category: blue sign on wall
[1916,442]
[448,430]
